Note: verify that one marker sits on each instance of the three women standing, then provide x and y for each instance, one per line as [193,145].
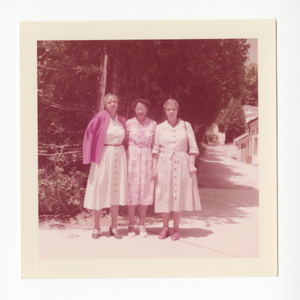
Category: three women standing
[171,164]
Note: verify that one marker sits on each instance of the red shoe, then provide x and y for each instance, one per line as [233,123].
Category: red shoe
[96,234]
[164,233]
[114,233]
[175,235]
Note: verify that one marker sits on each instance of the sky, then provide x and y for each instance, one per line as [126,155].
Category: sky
[253,50]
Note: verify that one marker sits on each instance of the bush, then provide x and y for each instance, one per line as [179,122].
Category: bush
[210,137]
[59,192]
[202,148]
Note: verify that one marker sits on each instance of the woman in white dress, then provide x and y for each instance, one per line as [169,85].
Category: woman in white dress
[103,147]
[174,153]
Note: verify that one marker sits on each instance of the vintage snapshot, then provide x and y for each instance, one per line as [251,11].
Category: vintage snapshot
[152,153]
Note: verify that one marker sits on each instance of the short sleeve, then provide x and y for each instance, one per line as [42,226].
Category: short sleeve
[156,144]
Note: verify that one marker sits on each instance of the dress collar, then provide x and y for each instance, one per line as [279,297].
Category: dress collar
[145,122]
[179,124]
[108,116]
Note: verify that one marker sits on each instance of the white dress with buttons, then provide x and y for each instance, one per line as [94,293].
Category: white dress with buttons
[175,190]
[107,182]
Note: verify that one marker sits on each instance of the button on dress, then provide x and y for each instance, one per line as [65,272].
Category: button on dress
[139,159]
[107,182]
[175,190]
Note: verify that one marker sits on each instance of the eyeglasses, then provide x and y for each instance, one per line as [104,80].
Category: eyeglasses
[140,109]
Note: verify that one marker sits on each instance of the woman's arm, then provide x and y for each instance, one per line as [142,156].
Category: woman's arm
[192,167]
[191,139]
[89,142]
[193,149]
[155,153]
[126,139]
[154,165]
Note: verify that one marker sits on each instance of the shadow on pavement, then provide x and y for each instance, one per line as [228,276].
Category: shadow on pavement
[184,232]
[214,173]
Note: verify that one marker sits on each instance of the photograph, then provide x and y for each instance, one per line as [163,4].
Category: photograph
[149,149]
[112,113]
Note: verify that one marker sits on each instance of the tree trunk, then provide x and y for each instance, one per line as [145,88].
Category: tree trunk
[115,72]
[102,83]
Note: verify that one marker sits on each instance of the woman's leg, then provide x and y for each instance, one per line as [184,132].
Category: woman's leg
[142,213]
[114,211]
[165,218]
[176,216]
[131,211]
[97,214]
[165,231]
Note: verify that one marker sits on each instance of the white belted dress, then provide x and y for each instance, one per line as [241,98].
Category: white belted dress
[175,189]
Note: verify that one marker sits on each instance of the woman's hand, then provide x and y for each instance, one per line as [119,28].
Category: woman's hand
[193,170]
[154,174]
[154,166]
[192,167]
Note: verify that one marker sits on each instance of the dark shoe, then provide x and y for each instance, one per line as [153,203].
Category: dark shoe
[96,234]
[115,234]
[164,233]
[175,235]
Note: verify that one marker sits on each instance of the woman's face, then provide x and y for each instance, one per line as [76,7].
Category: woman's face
[141,111]
[171,112]
[111,104]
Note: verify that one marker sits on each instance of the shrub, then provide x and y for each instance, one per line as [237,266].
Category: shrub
[59,192]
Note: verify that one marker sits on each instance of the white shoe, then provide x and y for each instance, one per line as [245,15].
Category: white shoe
[131,234]
[143,232]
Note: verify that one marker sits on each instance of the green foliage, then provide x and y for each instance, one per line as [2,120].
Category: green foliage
[210,137]
[249,90]
[232,120]
[70,186]
[203,75]
[202,148]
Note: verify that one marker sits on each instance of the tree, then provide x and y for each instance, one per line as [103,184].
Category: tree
[249,93]
[232,120]
[73,76]
[68,77]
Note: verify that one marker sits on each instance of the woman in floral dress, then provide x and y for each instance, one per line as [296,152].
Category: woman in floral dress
[140,132]
[174,169]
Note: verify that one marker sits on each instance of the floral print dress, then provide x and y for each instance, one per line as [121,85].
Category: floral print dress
[140,136]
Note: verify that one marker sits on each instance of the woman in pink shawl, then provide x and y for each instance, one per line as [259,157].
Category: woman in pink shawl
[103,148]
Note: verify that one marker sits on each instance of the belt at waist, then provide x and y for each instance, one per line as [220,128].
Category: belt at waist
[171,153]
[115,145]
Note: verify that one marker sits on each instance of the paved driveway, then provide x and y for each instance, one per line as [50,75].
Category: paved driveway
[227,226]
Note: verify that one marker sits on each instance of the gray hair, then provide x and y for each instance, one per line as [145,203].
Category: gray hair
[169,102]
[110,95]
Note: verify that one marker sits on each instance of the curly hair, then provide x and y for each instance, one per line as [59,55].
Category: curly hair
[142,101]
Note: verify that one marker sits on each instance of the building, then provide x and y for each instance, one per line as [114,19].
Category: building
[250,111]
[247,143]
